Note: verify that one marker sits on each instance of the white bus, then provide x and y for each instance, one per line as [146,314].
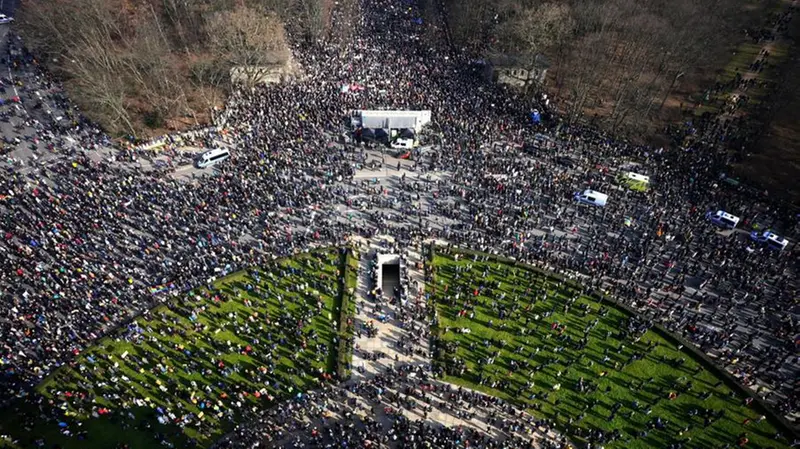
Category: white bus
[212,157]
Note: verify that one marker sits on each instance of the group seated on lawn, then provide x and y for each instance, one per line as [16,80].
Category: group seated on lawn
[182,375]
[604,376]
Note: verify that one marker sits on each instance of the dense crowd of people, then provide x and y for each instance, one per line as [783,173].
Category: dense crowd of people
[88,239]
[393,410]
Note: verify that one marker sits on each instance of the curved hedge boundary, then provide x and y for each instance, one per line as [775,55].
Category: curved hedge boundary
[780,422]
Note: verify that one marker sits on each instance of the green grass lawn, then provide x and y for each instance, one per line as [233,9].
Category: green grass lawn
[538,343]
[200,364]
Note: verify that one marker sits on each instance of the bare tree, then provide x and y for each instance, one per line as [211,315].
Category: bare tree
[209,81]
[251,40]
[52,28]
[542,27]
[95,77]
[470,20]
[147,67]
[154,59]
[185,21]
[619,59]
[313,17]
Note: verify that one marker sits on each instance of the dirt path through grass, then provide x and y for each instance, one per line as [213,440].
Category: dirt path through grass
[757,70]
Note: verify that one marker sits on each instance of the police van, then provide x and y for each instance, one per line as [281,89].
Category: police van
[212,157]
[770,239]
[722,219]
[634,181]
[591,197]
[403,143]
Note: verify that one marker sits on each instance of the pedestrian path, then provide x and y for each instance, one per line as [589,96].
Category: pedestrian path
[401,344]
[396,338]
[754,70]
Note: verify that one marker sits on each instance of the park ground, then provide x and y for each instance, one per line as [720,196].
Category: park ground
[525,344]
[186,372]
[774,163]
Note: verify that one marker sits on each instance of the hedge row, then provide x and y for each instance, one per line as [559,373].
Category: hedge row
[346,306]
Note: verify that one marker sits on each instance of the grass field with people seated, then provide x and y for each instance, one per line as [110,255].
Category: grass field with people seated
[181,375]
[538,342]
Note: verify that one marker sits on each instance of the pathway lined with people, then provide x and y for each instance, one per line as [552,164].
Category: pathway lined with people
[391,327]
[752,76]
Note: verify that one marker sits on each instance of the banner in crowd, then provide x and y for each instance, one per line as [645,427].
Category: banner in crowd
[162,288]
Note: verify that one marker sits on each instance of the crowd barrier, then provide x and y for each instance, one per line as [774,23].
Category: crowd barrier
[183,138]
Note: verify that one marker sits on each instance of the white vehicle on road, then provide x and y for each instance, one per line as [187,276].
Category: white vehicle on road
[212,157]
[634,181]
[403,143]
[591,197]
[772,240]
[723,219]
[5,19]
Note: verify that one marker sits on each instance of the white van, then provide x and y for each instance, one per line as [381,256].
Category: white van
[403,143]
[591,197]
[722,219]
[212,157]
[772,240]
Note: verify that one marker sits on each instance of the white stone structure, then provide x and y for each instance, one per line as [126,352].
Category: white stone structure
[377,119]
[386,259]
